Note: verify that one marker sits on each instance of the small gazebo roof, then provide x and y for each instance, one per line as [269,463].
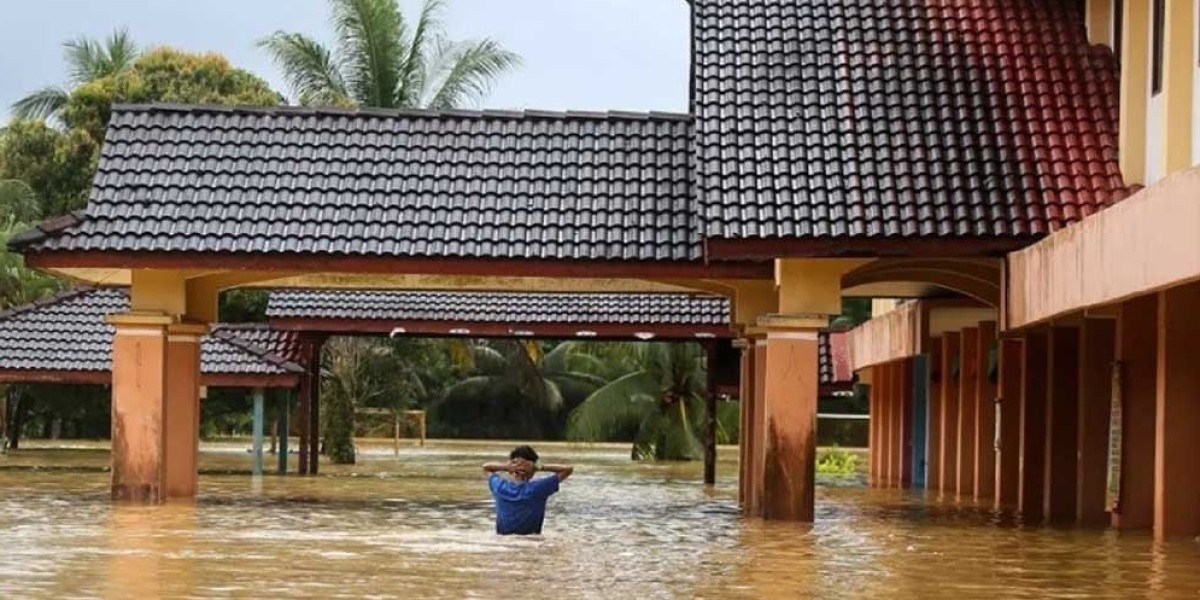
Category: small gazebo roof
[503,314]
[64,339]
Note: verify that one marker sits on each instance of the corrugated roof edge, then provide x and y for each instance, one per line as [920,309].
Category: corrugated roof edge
[229,336]
[616,115]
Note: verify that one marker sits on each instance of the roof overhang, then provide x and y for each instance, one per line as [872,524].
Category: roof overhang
[1142,245]
[755,249]
[113,267]
[482,329]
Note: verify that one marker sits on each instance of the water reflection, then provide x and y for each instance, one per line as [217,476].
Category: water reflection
[420,527]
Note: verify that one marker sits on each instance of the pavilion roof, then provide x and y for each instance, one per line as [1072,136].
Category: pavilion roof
[849,120]
[676,315]
[410,183]
[65,338]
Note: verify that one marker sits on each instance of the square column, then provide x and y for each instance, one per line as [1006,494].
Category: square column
[183,410]
[1177,480]
[1137,356]
[886,414]
[1008,455]
[155,407]
[873,426]
[1034,385]
[951,349]
[968,381]
[1062,425]
[933,416]
[1097,350]
[791,381]
[744,399]
[757,443]
[904,431]
[985,417]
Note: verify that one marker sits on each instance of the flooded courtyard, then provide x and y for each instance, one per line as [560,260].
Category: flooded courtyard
[420,526]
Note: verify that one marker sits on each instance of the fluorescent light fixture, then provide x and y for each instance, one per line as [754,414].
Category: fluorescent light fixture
[585,334]
[644,335]
[460,331]
[521,333]
[705,334]
[397,331]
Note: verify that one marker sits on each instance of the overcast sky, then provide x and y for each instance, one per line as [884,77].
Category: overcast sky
[578,54]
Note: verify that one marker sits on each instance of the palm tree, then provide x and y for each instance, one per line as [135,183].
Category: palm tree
[382,60]
[87,60]
[514,389]
[660,402]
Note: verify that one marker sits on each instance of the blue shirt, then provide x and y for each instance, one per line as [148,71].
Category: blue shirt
[521,505]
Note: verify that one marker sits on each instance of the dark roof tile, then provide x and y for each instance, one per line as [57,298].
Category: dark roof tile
[515,307]
[67,332]
[537,184]
[980,108]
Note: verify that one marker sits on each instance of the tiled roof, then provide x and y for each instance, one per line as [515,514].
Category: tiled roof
[900,118]
[490,184]
[67,333]
[505,307]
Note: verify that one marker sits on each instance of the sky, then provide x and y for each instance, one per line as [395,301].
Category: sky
[577,54]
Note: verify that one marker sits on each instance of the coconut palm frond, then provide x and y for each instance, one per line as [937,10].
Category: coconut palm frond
[466,72]
[417,57]
[42,104]
[612,407]
[370,40]
[309,68]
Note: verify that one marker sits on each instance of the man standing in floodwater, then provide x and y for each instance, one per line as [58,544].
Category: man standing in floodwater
[521,499]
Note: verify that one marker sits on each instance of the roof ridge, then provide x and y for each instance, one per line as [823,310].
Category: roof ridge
[225,335]
[51,300]
[485,113]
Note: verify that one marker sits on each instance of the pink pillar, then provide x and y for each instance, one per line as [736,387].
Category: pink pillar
[1177,448]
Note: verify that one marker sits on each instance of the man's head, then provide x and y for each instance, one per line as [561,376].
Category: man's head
[524,460]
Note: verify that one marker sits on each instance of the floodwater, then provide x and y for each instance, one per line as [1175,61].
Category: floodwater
[421,527]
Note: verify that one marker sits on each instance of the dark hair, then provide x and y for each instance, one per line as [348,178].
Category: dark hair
[525,452]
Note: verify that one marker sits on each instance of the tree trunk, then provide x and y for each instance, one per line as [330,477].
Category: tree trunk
[19,411]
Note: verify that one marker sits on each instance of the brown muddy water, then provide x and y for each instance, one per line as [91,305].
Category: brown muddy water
[420,526]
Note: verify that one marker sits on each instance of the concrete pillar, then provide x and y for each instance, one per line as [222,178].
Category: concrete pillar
[919,387]
[933,471]
[1097,350]
[314,414]
[256,467]
[1033,427]
[743,419]
[968,380]
[285,408]
[1008,455]
[302,422]
[757,432]
[904,394]
[1137,355]
[951,350]
[885,424]
[790,414]
[873,426]
[985,417]
[155,407]
[710,415]
[1177,477]
[1062,425]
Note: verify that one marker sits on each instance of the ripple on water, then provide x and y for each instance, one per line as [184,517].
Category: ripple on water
[421,528]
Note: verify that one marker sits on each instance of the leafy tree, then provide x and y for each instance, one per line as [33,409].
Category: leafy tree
[514,390]
[382,59]
[660,402]
[165,75]
[87,60]
[57,166]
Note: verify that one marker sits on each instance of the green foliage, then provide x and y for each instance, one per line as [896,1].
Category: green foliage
[513,389]
[243,306]
[165,75]
[57,166]
[87,60]
[18,202]
[18,283]
[660,402]
[383,59]
[838,462]
[728,421]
